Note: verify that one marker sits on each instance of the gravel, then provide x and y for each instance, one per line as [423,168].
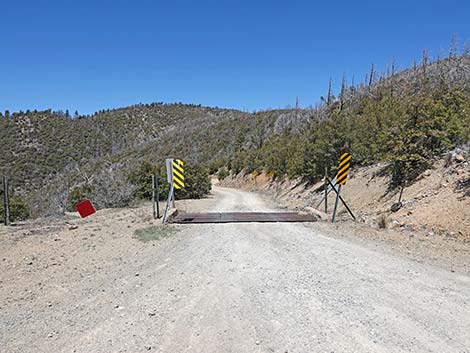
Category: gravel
[225,288]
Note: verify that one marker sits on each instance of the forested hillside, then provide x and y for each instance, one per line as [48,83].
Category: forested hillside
[47,154]
[405,118]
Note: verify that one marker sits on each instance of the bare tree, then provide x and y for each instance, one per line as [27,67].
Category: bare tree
[454,47]
[371,75]
[466,50]
[392,77]
[328,98]
[424,60]
[342,94]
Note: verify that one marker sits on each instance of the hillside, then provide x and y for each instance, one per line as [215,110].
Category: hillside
[47,153]
[405,118]
[436,205]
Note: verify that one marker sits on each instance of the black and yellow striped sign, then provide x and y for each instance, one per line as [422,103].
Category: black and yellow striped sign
[178,173]
[344,165]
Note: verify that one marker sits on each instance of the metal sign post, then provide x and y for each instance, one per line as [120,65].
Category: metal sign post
[327,192]
[175,176]
[341,177]
[6,206]
[336,204]
[169,170]
[170,195]
[342,200]
[155,197]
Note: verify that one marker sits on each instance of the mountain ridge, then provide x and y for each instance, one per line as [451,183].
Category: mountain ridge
[48,153]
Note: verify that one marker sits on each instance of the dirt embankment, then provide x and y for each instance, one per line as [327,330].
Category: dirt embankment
[432,226]
[436,205]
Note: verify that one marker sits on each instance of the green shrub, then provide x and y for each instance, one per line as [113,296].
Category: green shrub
[141,178]
[79,194]
[222,174]
[216,165]
[197,183]
[19,210]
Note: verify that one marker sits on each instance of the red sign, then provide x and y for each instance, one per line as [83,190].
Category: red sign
[85,208]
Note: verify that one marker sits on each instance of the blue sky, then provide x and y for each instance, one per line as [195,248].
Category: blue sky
[90,55]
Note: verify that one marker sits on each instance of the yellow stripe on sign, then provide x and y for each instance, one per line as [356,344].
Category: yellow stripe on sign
[178,181]
[177,166]
[176,186]
[342,181]
[346,160]
[344,169]
[344,155]
[341,176]
[179,161]
[178,174]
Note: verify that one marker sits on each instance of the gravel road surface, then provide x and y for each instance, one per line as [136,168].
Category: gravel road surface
[222,288]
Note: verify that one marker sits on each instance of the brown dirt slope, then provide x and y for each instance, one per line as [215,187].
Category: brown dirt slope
[438,203]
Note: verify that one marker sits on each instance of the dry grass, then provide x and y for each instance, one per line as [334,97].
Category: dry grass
[382,221]
[154,233]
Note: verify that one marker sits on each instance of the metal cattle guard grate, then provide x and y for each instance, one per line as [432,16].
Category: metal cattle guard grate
[241,217]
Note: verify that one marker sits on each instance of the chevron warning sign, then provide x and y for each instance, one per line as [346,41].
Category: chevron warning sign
[178,173]
[343,170]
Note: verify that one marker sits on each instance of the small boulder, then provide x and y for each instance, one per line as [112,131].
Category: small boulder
[321,215]
[396,206]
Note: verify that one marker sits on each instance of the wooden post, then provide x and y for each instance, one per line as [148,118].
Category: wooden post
[157,198]
[336,203]
[6,205]
[326,190]
[401,193]
[154,197]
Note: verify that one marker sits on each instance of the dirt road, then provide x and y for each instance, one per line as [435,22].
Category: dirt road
[220,288]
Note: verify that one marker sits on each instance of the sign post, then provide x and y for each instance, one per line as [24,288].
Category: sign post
[341,177]
[155,198]
[326,190]
[341,199]
[169,170]
[175,177]
[6,206]
[336,204]
[172,189]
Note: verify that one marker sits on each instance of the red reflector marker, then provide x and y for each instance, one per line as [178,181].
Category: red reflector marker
[85,208]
